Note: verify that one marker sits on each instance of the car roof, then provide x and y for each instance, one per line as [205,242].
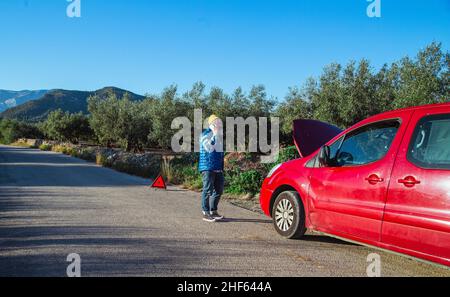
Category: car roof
[386,114]
[413,108]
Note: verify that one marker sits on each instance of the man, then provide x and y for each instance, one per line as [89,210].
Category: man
[211,167]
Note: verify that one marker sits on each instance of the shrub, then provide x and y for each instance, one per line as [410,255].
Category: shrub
[188,176]
[243,182]
[64,126]
[60,149]
[69,151]
[287,154]
[101,159]
[66,150]
[45,147]
[87,154]
[182,170]
[178,169]
[12,130]
[120,121]
[21,144]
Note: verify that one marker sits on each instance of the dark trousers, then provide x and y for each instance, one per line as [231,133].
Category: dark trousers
[213,183]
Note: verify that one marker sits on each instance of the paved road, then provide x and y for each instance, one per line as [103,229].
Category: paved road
[52,205]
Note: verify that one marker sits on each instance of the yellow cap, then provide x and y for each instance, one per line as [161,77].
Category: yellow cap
[212,118]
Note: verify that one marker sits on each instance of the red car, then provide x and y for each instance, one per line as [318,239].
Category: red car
[384,182]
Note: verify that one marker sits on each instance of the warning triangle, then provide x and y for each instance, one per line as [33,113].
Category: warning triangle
[159,183]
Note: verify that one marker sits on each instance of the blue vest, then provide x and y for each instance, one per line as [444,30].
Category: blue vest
[209,161]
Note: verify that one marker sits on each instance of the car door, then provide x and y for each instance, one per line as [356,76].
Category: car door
[417,215]
[348,198]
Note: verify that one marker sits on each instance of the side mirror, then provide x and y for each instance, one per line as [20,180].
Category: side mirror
[324,156]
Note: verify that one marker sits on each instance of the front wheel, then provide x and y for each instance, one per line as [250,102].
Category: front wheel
[288,215]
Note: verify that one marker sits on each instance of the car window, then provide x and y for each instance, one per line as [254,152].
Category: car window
[314,161]
[430,143]
[366,144]
[336,146]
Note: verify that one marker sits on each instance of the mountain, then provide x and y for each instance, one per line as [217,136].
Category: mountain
[71,101]
[9,99]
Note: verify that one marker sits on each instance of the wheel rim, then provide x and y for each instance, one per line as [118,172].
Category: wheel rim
[284,215]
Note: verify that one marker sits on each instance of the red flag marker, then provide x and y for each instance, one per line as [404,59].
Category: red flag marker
[159,183]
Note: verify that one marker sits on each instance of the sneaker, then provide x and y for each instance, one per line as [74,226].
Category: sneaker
[216,215]
[208,218]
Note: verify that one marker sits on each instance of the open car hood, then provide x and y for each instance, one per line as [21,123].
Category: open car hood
[310,135]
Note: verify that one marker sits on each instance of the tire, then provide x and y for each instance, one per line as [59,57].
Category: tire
[289,215]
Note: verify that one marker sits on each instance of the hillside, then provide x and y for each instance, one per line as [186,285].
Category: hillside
[66,100]
[9,99]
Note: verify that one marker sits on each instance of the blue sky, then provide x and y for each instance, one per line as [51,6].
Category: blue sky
[145,45]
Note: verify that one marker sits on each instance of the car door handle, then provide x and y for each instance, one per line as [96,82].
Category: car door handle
[409,181]
[373,179]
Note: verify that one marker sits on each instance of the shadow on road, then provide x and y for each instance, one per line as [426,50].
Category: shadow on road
[324,239]
[16,200]
[236,220]
[106,251]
